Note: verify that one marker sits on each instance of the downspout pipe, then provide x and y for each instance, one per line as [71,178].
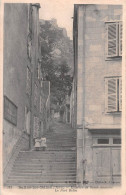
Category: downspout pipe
[84,161]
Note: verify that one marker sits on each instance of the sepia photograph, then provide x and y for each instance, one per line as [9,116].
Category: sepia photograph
[62,96]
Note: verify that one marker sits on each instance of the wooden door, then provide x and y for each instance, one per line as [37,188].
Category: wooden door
[107,164]
[116,164]
[102,164]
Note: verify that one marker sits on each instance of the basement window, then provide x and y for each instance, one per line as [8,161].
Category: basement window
[116,141]
[103,141]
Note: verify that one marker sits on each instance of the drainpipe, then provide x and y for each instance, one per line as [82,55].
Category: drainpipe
[84,159]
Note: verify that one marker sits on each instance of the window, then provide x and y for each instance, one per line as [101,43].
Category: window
[116,141]
[114,39]
[28,84]
[103,141]
[10,111]
[113,89]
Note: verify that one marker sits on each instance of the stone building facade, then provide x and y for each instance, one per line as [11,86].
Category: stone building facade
[23,89]
[98,92]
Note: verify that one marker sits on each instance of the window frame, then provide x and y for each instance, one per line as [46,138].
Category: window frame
[118,94]
[109,137]
[8,115]
[118,55]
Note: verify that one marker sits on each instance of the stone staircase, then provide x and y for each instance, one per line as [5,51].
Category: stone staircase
[54,167]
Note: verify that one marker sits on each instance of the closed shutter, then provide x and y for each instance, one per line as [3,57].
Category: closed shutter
[112,45]
[120,39]
[111,95]
[120,94]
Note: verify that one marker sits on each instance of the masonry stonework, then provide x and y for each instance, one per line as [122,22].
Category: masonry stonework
[93,67]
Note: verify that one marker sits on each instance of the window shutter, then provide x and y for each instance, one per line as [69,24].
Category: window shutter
[120,94]
[111,95]
[120,39]
[112,44]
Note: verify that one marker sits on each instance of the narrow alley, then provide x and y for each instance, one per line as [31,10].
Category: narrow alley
[62,95]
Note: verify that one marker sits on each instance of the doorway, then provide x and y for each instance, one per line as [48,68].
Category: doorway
[107,160]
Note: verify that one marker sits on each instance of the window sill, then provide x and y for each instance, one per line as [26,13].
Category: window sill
[106,145]
[113,113]
[118,58]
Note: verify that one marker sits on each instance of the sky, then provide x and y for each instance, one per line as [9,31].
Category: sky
[60,10]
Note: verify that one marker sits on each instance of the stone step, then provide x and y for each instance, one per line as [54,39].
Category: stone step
[44,167]
[48,166]
[61,173]
[44,164]
[61,137]
[60,148]
[41,177]
[43,156]
[26,153]
[65,135]
[53,171]
[41,185]
[44,180]
[43,160]
[61,143]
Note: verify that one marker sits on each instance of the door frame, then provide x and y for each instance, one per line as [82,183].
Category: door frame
[110,146]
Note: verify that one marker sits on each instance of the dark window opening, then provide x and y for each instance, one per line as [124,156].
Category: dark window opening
[116,141]
[10,111]
[103,141]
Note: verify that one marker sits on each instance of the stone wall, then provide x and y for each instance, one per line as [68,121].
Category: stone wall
[15,64]
[92,68]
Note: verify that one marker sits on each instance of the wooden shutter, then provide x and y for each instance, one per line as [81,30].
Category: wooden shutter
[120,94]
[120,39]
[112,41]
[111,95]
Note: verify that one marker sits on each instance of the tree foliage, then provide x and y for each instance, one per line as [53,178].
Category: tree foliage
[56,51]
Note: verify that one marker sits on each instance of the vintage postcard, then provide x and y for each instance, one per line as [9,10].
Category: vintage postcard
[63,97]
